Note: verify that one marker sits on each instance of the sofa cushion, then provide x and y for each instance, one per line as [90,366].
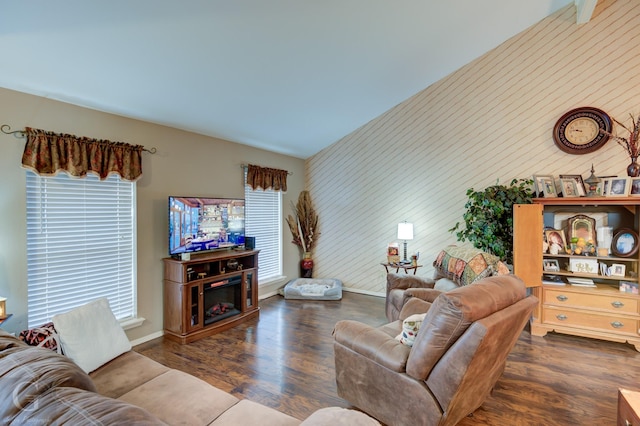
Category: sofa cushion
[247,412]
[410,328]
[465,265]
[179,398]
[125,373]
[44,336]
[27,372]
[91,335]
[71,406]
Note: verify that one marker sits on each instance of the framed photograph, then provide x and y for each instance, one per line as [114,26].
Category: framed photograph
[629,287]
[569,188]
[556,241]
[618,187]
[635,187]
[625,243]
[545,186]
[551,265]
[579,184]
[582,226]
[617,269]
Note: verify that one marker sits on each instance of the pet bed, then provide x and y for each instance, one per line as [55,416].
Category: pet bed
[313,289]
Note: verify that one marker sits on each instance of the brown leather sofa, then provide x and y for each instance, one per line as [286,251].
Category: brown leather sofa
[40,387]
[458,355]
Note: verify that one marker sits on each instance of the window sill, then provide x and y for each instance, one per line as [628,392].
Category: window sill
[273,281]
[129,323]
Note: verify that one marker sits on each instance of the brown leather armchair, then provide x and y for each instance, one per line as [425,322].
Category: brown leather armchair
[458,355]
[402,287]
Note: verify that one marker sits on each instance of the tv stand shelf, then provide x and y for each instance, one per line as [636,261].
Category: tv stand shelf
[209,293]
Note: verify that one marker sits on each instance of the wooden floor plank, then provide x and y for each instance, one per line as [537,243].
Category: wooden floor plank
[285,360]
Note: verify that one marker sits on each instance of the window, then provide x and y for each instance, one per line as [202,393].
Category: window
[81,245]
[263,221]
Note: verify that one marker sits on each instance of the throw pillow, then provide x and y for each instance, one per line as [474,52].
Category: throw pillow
[410,328]
[464,265]
[44,336]
[91,335]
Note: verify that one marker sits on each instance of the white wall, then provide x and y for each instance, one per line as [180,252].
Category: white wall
[491,120]
[185,164]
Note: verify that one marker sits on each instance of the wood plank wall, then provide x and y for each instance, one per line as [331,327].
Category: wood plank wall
[489,121]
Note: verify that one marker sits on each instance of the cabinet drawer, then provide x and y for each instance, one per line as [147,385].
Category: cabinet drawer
[585,319]
[628,408]
[592,301]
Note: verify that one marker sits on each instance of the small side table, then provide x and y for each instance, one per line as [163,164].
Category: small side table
[406,266]
[2,321]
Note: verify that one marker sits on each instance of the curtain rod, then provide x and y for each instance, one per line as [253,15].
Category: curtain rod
[21,134]
[246,166]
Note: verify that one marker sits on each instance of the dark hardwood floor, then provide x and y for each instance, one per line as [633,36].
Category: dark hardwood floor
[285,360]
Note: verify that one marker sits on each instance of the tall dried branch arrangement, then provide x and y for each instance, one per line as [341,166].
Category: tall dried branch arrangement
[630,144]
[304,226]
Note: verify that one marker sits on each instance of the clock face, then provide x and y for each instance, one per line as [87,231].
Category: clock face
[578,131]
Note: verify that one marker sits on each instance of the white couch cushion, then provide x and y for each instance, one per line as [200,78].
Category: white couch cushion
[91,335]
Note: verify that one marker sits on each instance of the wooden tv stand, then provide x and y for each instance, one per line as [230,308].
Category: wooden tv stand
[208,294]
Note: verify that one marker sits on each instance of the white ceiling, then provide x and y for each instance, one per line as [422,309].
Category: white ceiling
[290,76]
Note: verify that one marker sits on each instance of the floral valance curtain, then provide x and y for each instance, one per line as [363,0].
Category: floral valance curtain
[47,153]
[265,178]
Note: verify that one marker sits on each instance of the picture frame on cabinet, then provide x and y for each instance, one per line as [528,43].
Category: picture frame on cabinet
[617,270]
[551,265]
[628,287]
[556,240]
[569,188]
[582,226]
[635,187]
[618,187]
[545,186]
[624,243]
[579,184]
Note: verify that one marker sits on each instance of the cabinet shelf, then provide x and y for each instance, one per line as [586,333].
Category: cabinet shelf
[601,312]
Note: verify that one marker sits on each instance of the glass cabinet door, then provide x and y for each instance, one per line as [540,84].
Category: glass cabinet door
[248,280]
[194,301]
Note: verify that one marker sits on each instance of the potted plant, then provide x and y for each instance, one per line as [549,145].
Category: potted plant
[488,219]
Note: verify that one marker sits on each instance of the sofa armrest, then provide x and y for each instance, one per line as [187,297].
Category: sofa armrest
[372,343]
[405,281]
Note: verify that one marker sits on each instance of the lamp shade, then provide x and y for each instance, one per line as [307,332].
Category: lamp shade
[405,231]
[3,307]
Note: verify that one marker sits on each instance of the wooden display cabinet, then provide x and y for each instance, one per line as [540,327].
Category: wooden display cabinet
[601,312]
[209,293]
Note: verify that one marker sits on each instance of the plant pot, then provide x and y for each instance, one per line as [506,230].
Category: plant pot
[306,266]
[633,169]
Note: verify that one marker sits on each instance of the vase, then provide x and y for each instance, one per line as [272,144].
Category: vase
[633,169]
[306,265]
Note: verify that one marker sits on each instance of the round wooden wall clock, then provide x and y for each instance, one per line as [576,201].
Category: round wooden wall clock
[578,131]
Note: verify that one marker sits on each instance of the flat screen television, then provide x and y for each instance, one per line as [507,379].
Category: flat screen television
[200,224]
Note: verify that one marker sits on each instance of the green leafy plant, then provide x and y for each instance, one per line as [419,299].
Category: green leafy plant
[488,219]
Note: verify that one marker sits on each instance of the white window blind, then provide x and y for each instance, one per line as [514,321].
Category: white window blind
[80,244]
[263,220]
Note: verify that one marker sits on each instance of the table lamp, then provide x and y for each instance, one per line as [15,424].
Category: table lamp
[405,232]
[3,307]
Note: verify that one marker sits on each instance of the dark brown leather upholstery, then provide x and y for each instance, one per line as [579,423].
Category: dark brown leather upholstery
[397,294]
[457,357]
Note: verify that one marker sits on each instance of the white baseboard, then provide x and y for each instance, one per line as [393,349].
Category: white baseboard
[147,338]
[369,293]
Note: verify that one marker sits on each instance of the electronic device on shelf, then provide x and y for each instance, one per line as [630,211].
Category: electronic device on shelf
[198,224]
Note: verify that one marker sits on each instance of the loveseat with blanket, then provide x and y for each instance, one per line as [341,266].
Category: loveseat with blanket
[39,386]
